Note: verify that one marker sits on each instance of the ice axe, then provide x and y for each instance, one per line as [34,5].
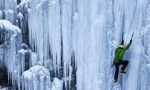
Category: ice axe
[122,36]
[132,35]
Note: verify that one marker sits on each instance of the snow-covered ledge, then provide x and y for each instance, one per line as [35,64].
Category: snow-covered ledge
[38,78]
[10,32]
[12,40]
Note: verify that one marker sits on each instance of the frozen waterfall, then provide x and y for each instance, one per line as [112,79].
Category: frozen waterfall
[70,44]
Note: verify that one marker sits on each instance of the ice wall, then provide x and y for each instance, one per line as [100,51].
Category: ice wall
[68,30]
[144,67]
[9,10]
[90,31]
[76,39]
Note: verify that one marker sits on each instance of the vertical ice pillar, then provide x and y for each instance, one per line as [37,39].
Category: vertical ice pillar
[118,14]
[21,64]
[1,54]
[66,8]
[143,78]
[91,45]
[82,43]
[136,15]
[22,19]
[38,29]
[10,10]
[54,34]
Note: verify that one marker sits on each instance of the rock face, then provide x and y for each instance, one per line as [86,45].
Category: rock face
[3,75]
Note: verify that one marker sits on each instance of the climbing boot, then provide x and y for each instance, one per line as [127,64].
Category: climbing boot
[123,71]
[114,81]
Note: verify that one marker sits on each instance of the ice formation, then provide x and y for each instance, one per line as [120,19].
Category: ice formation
[74,40]
[36,78]
[11,43]
[57,84]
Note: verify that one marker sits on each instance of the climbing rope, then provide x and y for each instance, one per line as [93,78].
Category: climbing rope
[132,20]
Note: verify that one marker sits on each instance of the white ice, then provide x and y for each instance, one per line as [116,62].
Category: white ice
[77,37]
[57,84]
[11,45]
[36,78]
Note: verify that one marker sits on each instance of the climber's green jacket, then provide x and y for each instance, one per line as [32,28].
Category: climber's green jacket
[119,52]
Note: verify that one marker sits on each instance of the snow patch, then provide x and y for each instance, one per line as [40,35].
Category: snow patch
[57,84]
[37,77]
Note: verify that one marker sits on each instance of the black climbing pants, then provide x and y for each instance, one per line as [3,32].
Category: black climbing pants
[124,63]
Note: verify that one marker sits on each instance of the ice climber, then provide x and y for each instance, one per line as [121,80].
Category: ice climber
[118,59]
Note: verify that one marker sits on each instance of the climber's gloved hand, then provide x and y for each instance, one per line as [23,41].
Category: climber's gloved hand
[131,41]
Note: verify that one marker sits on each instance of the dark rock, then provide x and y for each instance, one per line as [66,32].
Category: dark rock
[3,75]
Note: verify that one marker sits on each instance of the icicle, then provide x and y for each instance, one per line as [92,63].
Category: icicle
[1,14]
[33,59]
[42,83]
[20,64]
[70,76]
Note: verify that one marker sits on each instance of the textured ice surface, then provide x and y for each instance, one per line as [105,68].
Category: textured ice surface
[12,43]
[57,84]
[76,40]
[89,31]
[36,78]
